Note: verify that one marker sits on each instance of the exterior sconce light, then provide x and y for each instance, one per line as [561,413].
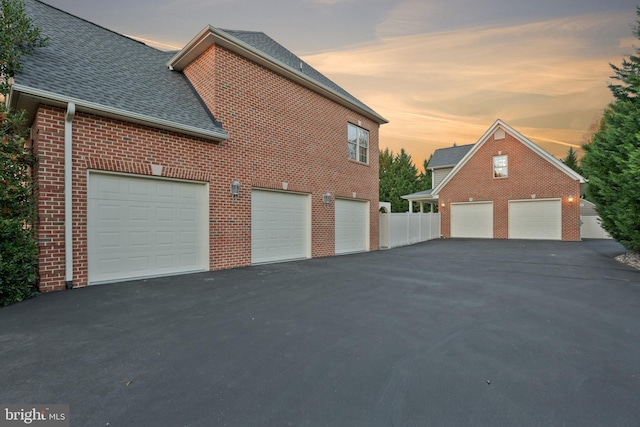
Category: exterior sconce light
[235,189]
[443,204]
[326,199]
[570,199]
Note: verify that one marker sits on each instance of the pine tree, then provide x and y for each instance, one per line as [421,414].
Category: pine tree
[18,250]
[612,158]
[398,177]
[424,179]
[572,160]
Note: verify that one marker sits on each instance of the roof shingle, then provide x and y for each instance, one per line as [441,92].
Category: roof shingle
[448,157]
[87,62]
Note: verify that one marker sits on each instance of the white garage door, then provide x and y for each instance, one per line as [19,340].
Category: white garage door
[280,226]
[472,220]
[535,219]
[351,225]
[144,227]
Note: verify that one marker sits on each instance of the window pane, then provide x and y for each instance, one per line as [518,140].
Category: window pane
[352,141]
[363,154]
[364,138]
[500,167]
[352,151]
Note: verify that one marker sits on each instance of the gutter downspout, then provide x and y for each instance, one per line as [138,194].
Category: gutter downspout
[68,195]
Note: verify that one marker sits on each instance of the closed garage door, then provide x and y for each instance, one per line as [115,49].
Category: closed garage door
[472,220]
[535,219]
[145,227]
[280,226]
[351,226]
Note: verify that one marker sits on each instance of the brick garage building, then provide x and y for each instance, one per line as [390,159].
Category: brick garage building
[504,187]
[137,150]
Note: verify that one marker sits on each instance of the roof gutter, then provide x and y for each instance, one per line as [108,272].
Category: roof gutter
[212,36]
[19,91]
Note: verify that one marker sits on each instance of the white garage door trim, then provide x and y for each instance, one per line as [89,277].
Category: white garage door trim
[140,226]
[472,219]
[352,225]
[280,226]
[537,219]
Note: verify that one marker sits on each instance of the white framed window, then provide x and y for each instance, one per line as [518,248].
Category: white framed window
[358,143]
[500,167]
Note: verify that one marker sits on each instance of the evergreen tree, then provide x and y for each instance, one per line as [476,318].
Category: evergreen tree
[405,175]
[424,179]
[386,182]
[572,160]
[399,177]
[18,250]
[612,158]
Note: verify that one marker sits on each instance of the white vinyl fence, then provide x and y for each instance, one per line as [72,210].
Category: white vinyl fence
[400,229]
[591,228]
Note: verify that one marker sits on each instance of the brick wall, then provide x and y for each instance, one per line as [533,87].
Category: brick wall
[283,132]
[280,132]
[529,174]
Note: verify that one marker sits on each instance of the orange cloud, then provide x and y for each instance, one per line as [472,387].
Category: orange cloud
[547,79]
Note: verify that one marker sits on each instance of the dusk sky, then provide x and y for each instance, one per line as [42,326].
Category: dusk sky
[441,71]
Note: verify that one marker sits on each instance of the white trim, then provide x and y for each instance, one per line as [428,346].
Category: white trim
[116,113]
[210,36]
[68,194]
[528,143]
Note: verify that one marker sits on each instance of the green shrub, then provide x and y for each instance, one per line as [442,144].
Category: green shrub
[18,251]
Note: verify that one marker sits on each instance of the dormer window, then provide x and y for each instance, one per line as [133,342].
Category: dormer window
[500,167]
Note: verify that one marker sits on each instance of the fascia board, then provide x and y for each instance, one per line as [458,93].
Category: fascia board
[55,99]
[210,36]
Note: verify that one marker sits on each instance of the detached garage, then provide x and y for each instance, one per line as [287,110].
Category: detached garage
[535,219]
[473,219]
[144,227]
[280,226]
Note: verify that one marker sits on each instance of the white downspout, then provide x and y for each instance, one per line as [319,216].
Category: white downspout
[68,195]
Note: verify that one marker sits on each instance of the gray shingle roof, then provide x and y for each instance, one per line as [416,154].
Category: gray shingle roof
[449,157]
[90,63]
[418,194]
[265,44]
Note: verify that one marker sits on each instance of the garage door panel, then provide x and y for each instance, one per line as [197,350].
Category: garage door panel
[351,226]
[279,226]
[472,220]
[132,234]
[535,219]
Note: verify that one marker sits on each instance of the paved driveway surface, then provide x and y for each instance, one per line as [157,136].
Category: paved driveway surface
[448,332]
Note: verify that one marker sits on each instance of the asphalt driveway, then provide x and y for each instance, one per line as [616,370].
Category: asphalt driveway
[448,332]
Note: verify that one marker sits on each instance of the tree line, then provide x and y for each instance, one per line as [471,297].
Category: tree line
[399,176]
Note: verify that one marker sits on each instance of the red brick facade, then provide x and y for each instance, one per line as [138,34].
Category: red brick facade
[528,174]
[280,132]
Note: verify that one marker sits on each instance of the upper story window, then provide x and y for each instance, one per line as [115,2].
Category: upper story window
[500,167]
[358,142]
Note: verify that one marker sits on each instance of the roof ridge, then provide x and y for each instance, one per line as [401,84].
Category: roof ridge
[97,25]
[227,30]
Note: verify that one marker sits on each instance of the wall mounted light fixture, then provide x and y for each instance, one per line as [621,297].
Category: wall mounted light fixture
[235,189]
[326,199]
[570,199]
